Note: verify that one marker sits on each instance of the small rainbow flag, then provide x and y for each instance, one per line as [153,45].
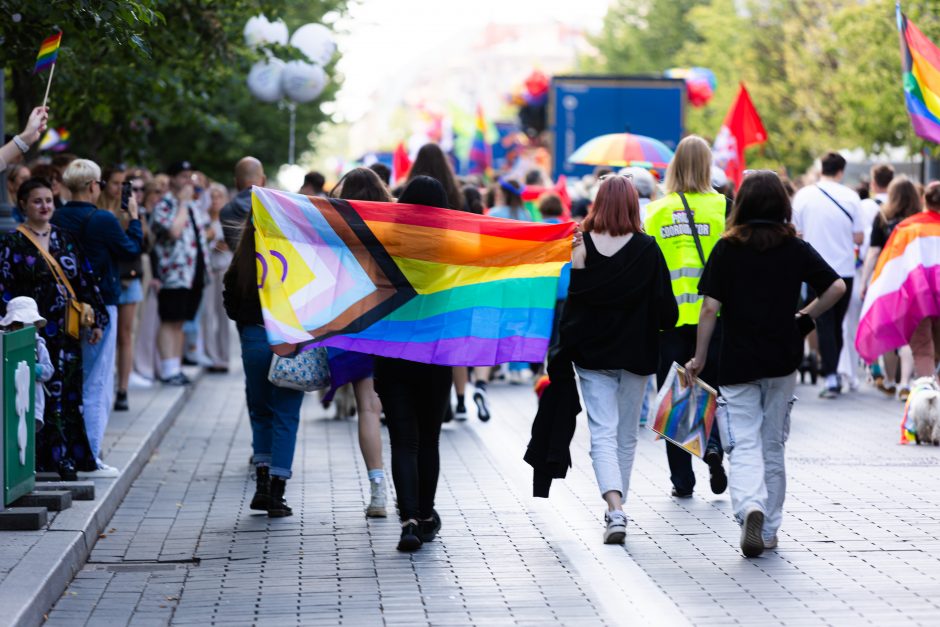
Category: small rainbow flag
[420,283]
[920,61]
[481,153]
[55,140]
[48,52]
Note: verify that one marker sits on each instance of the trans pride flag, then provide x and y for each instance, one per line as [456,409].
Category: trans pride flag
[920,61]
[420,283]
[905,287]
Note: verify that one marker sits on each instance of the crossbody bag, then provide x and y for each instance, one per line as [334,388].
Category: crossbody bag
[78,315]
[688,215]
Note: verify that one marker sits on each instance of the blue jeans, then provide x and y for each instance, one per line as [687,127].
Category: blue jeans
[274,411]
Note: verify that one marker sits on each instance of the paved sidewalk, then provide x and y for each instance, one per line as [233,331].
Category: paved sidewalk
[36,566]
[859,544]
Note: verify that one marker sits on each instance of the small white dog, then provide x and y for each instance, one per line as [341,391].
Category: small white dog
[925,410]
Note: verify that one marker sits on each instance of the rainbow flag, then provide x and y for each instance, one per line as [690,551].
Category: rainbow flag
[481,153]
[420,283]
[685,415]
[48,51]
[55,140]
[920,61]
[905,287]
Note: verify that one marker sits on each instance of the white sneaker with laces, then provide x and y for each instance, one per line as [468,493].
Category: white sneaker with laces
[377,497]
[138,382]
[771,544]
[616,527]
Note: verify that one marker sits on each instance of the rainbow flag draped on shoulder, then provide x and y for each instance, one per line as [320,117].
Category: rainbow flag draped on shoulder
[920,62]
[420,283]
[905,287]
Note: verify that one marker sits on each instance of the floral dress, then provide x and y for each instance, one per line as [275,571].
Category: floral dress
[24,272]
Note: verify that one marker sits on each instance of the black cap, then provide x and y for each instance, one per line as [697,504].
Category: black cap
[180,166]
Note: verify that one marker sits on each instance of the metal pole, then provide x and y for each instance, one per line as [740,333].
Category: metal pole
[3,89]
[293,118]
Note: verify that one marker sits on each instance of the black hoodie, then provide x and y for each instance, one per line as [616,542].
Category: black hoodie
[617,306]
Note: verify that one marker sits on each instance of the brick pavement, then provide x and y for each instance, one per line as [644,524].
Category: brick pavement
[859,544]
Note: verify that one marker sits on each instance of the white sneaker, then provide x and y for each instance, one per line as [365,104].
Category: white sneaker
[376,507]
[139,382]
[616,527]
[104,472]
[771,544]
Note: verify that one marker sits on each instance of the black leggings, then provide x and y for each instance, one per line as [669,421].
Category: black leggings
[414,397]
[829,330]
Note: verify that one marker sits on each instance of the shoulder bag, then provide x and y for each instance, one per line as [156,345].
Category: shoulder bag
[307,371]
[78,315]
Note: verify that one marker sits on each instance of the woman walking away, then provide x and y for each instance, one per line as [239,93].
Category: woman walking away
[754,277]
[690,199]
[619,299]
[364,184]
[415,397]
[274,411]
[903,202]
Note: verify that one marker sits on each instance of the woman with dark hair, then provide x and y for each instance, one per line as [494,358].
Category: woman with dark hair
[431,161]
[415,397]
[903,201]
[472,199]
[619,299]
[62,445]
[753,277]
[274,411]
[358,368]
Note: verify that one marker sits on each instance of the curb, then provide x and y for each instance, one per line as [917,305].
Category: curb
[30,592]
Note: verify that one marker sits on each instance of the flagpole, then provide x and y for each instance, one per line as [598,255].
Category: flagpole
[48,85]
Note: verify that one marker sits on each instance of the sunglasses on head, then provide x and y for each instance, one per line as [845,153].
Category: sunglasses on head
[628,176]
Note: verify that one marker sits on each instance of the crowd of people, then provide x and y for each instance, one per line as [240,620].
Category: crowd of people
[128,275]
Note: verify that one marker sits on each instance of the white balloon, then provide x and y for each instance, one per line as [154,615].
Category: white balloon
[315,41]
[260,31]
[264,80]
[303,81]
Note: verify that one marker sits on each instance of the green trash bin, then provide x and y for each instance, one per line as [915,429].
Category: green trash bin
[17,389]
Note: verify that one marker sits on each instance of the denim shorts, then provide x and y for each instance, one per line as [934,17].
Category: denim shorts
[131,292]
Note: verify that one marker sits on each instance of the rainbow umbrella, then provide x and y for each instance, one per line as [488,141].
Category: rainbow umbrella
[623,149]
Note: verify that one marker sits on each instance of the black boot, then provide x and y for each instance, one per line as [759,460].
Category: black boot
[262,497]
[278,507]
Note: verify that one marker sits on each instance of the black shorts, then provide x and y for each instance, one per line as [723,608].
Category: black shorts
[178,304]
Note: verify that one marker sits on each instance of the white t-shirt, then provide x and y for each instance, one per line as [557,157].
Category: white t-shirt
[870,209]
[828,228]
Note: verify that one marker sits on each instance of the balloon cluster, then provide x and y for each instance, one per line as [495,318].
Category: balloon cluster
[700,83]
[533,91]
[301,81]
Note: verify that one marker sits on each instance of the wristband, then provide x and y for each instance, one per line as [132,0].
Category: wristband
[23,146]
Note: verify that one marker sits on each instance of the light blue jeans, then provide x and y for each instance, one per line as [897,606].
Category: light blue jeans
[274,411]
[754,422]
[613,400]
[98,383]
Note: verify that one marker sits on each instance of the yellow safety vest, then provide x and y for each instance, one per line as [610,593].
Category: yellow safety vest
[666,221]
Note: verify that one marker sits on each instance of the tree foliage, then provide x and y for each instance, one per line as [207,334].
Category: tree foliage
[152,81]
[824,74]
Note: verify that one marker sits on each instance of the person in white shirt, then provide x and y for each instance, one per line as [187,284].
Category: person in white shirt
[880,177]
[828,215]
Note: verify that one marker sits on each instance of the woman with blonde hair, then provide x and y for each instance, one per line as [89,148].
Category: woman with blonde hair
[687,223]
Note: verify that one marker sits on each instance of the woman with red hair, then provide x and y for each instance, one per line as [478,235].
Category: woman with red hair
[619,299]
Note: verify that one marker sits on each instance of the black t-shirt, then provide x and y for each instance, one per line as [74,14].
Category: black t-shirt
[881,230]
[760,294]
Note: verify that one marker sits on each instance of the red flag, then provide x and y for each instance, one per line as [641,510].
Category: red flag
[742,128]
[401,163]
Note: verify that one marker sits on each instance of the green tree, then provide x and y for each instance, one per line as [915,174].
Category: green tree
[149,81]
[643,36]
[823,74]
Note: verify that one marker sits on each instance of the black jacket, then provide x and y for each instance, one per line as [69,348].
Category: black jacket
[554,425]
